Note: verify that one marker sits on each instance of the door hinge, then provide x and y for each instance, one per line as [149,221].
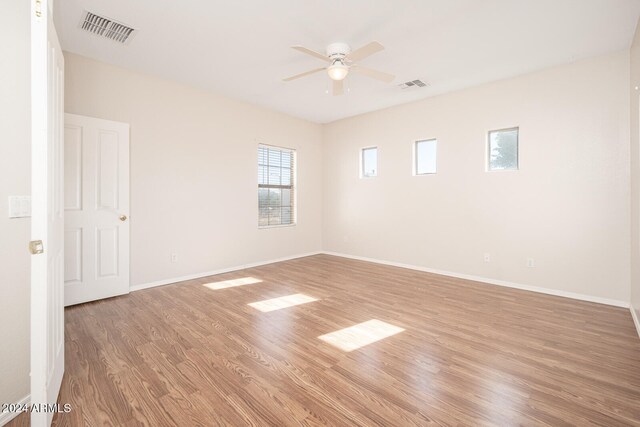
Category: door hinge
[39,8]
[36,247]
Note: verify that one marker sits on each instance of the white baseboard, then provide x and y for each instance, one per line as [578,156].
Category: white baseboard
[213,273]
[636,321]
[582,297]
[5,417]
[548,291]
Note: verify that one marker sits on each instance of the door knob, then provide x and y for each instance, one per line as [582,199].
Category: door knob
[36,247]
[123,217]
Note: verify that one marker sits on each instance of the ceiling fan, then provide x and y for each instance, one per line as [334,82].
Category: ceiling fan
[342,59]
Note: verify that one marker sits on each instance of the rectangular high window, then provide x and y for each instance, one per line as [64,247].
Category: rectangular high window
[424,155]
[276,186]
[503,149]
[369,162]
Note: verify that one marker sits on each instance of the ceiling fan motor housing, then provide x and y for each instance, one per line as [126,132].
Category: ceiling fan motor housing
[338,50]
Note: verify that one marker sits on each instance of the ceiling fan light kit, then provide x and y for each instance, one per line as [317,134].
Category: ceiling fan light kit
[337,70]
[342,61]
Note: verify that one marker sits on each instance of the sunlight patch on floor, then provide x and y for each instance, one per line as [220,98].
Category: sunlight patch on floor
[282,302]
[356,336]
[231,283]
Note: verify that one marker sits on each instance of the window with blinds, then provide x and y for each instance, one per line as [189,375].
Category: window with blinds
[276,186]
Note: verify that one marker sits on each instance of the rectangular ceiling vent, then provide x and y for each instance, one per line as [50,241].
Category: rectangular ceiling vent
[106,27]
[413,84]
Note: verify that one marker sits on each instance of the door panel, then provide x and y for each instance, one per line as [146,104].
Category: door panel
[107,170]
[73,256]
[72,168]
[97,258]
[47,215]
[107,249]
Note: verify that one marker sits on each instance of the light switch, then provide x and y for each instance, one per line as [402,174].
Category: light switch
[19,206]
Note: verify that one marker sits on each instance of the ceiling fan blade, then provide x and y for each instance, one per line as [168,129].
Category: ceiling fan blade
[365,51]
[374,74]
[338,87]
[306,73]
[311,52]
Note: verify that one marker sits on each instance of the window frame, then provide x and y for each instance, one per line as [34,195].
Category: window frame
[488,150]
[293,186]
[415,156]
[362,150]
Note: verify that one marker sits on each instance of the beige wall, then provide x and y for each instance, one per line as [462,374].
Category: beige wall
[15,160]
[194,171]
[635,174]
[567,207]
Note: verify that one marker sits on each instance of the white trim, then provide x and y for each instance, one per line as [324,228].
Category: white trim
[636,321]
[214,272]
[582,297]
[5,417]
[555,292]
[266,227]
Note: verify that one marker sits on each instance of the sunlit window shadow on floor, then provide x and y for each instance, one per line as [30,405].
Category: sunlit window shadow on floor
[356,336]
[282,302]
[231,283]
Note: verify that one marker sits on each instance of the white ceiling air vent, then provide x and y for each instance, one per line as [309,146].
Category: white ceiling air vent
[413,84]
[106,27]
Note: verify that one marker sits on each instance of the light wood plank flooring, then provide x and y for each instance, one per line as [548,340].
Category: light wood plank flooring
[470,354]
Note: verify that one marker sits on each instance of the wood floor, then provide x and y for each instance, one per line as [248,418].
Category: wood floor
[470,354]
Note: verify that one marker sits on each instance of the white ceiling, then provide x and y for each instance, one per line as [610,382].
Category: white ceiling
[241,48]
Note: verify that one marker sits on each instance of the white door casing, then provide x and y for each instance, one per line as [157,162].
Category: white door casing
[96,208]
[47,215]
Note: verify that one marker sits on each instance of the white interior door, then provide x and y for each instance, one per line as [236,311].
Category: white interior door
[96,207]
[47,215]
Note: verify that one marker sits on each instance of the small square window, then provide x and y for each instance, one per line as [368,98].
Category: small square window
[424,154]
[503,149]
[369,162]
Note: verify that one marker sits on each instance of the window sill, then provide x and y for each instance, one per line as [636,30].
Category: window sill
[264,227]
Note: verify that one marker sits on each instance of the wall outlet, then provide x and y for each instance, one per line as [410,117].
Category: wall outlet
[174,257]
[531,262]
[487,257]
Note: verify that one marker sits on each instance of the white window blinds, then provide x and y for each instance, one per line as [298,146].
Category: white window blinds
[276,186]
